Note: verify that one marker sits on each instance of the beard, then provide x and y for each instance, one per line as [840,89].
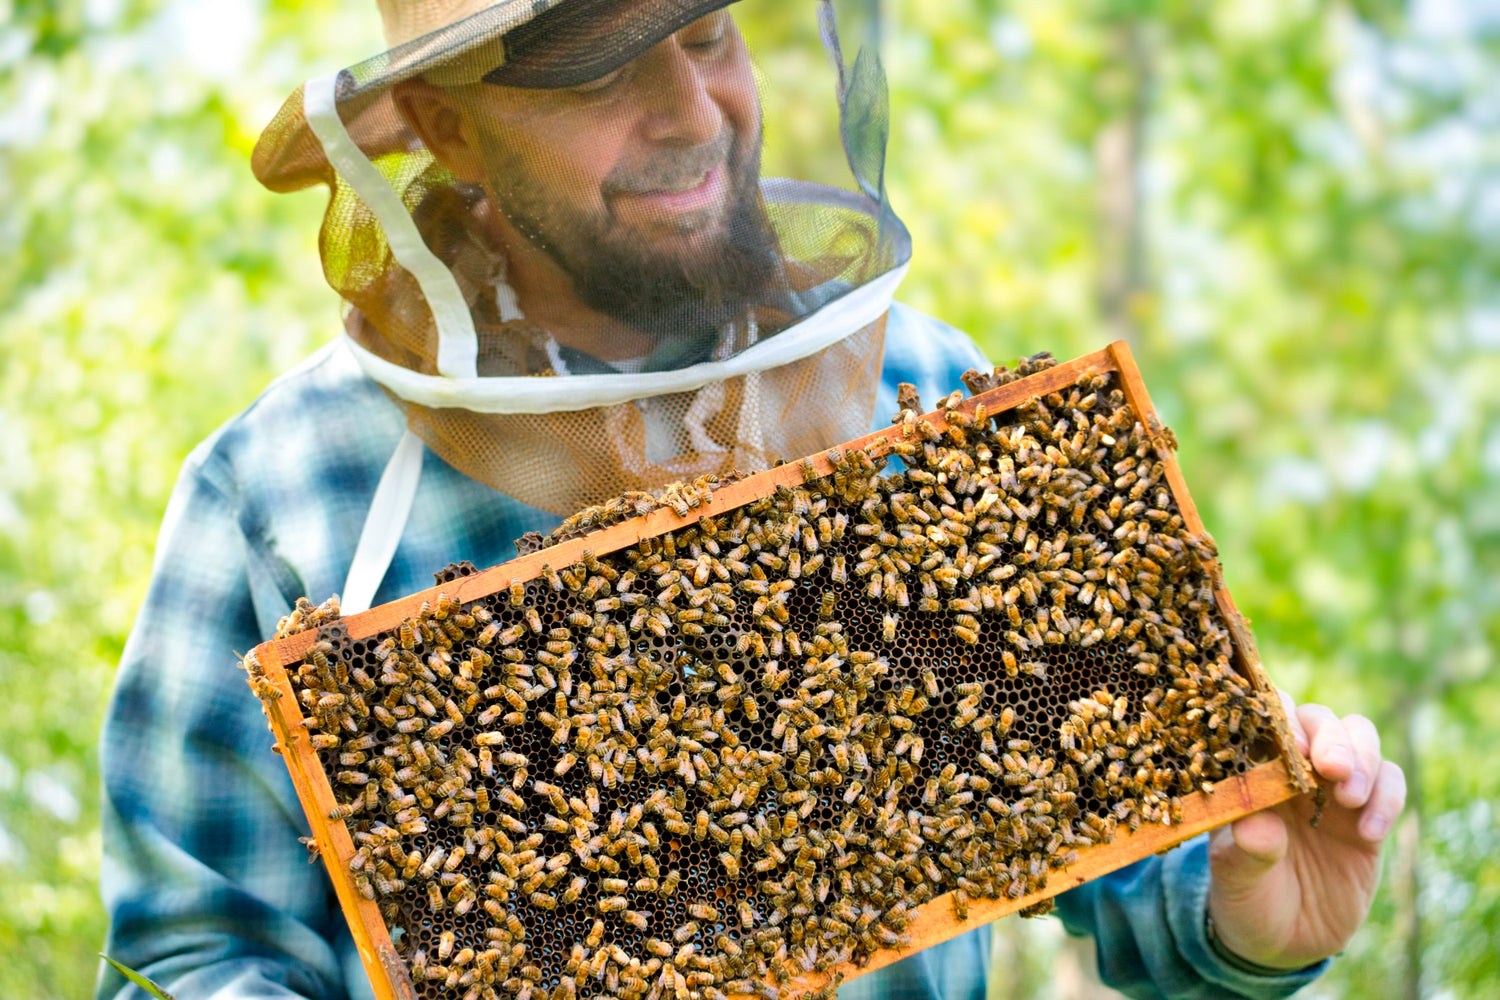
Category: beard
[685,287]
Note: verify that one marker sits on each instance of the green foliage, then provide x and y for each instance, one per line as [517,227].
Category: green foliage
[143,982]
[139,264]
[1315,313]
[1289,208]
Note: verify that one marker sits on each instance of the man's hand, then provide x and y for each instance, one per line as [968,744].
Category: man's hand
[1286,894]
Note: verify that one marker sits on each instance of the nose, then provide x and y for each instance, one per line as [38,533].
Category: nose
[680,106]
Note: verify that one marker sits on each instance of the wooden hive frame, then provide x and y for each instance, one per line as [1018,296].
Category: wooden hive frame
[1275,780]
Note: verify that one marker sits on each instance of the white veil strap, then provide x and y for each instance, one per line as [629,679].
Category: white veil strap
[458,345]
[383,525]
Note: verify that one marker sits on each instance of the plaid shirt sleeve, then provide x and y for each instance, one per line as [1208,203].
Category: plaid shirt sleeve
[208,890]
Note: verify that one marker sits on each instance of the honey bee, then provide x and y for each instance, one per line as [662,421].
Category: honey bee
[838,571]
[595,936]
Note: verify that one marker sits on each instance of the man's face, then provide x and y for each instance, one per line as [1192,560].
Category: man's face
[641,186]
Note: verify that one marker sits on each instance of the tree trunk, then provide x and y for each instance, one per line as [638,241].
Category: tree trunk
[1118,155]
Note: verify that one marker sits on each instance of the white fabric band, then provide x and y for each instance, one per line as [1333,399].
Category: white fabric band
[458,347]
[821,329]
[383,525]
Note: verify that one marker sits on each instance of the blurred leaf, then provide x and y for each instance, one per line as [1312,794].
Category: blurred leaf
[138,979]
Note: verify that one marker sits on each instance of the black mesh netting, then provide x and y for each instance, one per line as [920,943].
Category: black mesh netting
[663,219]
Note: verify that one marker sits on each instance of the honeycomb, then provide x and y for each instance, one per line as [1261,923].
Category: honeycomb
[752,746]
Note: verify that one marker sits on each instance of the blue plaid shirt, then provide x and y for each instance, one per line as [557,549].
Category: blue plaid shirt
[209,891]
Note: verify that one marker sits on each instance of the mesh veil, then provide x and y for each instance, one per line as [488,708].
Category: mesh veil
[658,248]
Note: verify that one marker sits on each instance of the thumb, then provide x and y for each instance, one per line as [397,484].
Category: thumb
[1244,852]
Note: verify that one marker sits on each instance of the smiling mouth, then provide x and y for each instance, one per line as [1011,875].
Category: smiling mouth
[703,193]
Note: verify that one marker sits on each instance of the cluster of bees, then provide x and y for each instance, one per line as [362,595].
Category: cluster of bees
[681,497]
[749,748]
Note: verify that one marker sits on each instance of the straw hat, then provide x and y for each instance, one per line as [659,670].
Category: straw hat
[521,43]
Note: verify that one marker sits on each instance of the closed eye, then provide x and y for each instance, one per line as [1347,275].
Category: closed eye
[600,85]
[706,33]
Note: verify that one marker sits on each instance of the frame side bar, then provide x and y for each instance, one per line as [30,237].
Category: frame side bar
[1298,769]
[372,939]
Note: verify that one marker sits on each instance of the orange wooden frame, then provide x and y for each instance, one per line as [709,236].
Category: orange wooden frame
[1267,784]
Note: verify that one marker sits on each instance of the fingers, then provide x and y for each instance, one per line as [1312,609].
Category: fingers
[1243,854]
[1261,838]
[1365,745]
[1386,801]
[1345,751]
[1331,754]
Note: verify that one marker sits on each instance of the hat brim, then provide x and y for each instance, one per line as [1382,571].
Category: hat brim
[580,41]
[539,44]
